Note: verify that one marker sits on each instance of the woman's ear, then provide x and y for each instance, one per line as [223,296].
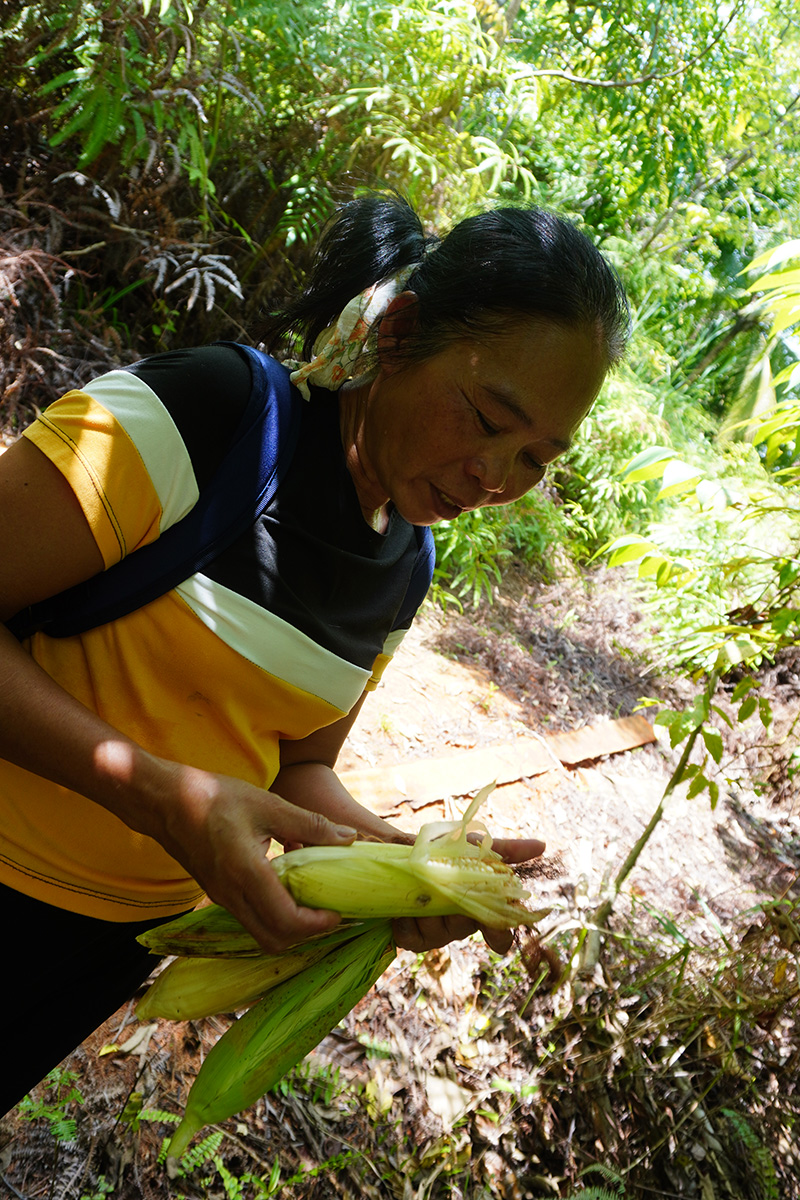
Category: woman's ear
[397,323]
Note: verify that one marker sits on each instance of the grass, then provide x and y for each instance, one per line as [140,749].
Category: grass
[671,1070]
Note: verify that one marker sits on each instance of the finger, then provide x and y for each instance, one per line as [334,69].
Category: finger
[518,850]
[499,940]
[269,913]
[429,933]
[289,823]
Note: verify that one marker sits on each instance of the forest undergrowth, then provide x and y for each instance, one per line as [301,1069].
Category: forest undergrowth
[657,1055]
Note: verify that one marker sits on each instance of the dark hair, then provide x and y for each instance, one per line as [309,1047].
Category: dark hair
[492,267]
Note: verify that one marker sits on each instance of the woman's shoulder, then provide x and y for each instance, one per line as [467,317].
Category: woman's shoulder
[205,390]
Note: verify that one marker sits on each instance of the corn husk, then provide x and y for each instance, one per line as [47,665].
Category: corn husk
[280,1030]
[190,988]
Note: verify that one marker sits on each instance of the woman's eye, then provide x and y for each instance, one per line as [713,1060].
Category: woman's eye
[486,425]
[533,465]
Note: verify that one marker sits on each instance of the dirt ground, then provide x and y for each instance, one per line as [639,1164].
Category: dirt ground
[558,658]
[544,659]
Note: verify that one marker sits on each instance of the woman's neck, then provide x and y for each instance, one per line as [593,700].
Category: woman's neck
[353,399]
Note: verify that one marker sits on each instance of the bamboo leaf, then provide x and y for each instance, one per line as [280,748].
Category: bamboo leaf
[678,477]
[648,464]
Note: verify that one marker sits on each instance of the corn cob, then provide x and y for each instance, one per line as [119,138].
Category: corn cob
[280,1030]
[446,871]
[441,874]
[191,988]
[207,932]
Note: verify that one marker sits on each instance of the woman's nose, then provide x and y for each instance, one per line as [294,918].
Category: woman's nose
[492,474]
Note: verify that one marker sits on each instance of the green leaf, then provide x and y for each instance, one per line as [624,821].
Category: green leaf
[712,495]
[680,730]
[790,375]
[785,310]
[666,716]
[747,708]
[653,564]
[698,784]
[71,76]
[629,548]
[773,258]
[713,741]
[737,650]
[723,716]
[648,464]
[83,116]
[664,573]
[779,279]
[101,128]
[743,687]
[678,477]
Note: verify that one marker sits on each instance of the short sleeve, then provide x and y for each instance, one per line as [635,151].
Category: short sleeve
[121,453]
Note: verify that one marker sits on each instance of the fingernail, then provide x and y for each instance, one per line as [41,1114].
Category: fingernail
[345,833]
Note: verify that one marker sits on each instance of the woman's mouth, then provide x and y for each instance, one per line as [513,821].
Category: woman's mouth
[447,508]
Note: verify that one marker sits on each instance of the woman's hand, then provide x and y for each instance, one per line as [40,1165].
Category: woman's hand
[429,933]
[219,829]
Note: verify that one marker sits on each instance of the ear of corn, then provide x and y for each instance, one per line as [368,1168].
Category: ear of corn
[191,988]
[364,881]
[443,873]
[280,1030]
[206,932]
[450,869]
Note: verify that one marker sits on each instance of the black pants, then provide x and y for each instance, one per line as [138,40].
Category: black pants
[66,974]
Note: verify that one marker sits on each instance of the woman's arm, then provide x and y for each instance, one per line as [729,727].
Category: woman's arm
[307,779]
[218,828]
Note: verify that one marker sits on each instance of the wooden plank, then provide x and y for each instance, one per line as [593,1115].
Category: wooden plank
[595,741]
[381,789]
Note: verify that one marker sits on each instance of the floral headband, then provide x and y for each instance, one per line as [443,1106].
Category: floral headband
[339,347]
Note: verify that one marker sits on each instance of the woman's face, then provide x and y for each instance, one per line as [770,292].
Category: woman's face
[477,423]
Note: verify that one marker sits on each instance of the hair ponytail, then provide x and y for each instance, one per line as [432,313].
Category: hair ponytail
[368,240]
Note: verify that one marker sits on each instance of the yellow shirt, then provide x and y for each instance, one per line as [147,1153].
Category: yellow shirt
[204,675]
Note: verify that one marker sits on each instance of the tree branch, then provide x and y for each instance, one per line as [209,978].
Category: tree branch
[651,77]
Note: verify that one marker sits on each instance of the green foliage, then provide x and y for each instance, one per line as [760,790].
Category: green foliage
[756,1155]
[239,121]
[104,1187]
[182,85]
[595,1193]
[725,562]
[610,1176]
[598,502]
[63,1095]
[469,554]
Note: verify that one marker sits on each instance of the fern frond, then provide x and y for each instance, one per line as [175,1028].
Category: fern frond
[755,1154]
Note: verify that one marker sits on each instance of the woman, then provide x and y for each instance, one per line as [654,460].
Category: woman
[153,758]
